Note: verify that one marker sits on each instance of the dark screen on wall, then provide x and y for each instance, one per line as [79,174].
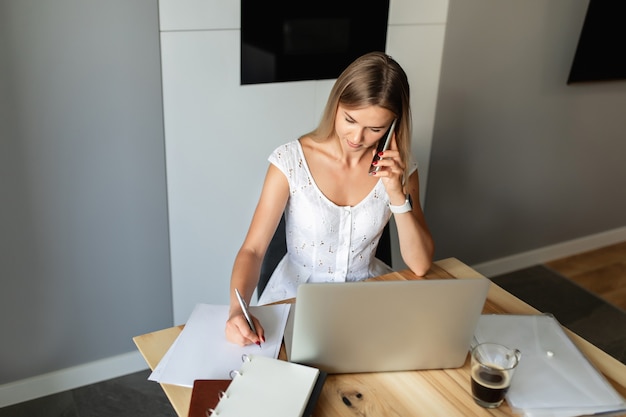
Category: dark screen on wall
[601,51]
[286,40]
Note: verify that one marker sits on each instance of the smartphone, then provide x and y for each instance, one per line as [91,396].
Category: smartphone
[383,144]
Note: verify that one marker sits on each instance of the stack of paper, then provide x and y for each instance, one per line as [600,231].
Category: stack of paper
[553,378]
[201,351]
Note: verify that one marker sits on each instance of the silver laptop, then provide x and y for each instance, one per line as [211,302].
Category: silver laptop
[384,325]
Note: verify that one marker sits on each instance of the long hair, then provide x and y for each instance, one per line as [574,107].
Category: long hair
[374,79]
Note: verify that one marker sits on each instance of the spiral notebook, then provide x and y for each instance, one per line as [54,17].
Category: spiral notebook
[267,387]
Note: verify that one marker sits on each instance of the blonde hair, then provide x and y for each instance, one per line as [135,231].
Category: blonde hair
[374,79]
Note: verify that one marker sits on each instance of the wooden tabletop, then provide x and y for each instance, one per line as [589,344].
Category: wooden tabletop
[411,393]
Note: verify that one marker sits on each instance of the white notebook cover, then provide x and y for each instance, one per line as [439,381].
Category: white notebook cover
[268,387]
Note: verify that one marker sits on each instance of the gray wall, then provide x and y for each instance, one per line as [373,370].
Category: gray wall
[520,160]
[84,259]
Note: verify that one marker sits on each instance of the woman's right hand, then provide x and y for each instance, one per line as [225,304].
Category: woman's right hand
[238,331]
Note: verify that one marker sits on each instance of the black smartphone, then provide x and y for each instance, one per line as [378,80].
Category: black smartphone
[383,144]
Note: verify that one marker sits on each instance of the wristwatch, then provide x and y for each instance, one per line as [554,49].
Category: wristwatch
[406,207]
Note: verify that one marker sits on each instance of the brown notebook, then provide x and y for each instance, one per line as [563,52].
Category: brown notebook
[206,394]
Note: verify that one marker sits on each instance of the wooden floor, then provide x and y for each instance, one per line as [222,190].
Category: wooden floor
[601,271]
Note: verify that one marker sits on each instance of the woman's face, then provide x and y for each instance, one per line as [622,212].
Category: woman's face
[360,129]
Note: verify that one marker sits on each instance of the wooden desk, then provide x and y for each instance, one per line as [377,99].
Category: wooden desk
[411,393]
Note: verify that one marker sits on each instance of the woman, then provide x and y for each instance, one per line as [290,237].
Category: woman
[335,209]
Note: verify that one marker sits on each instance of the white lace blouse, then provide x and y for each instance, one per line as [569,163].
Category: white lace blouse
[325,242]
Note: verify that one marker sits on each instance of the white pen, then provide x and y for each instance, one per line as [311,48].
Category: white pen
[246,313]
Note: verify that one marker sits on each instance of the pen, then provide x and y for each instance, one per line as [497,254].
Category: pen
[246,313]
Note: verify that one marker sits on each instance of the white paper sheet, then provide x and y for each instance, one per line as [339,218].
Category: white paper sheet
[553,378]
[201,351]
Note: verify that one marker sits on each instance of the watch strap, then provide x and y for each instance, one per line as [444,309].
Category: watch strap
[406,207]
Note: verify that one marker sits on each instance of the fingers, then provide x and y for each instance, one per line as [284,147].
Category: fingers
[389,164]
[238,331]
[260,331]
[391,171]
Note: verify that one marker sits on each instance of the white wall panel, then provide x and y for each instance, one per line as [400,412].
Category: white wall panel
[418,48]
[199,14]
[405,12]
[218,134]
[224,14]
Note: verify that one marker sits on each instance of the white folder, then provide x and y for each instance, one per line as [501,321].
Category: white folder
[553,378]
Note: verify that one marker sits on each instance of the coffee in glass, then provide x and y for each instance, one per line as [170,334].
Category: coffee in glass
[492,367]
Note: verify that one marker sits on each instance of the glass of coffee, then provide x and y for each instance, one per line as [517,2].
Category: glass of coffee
[492,367]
